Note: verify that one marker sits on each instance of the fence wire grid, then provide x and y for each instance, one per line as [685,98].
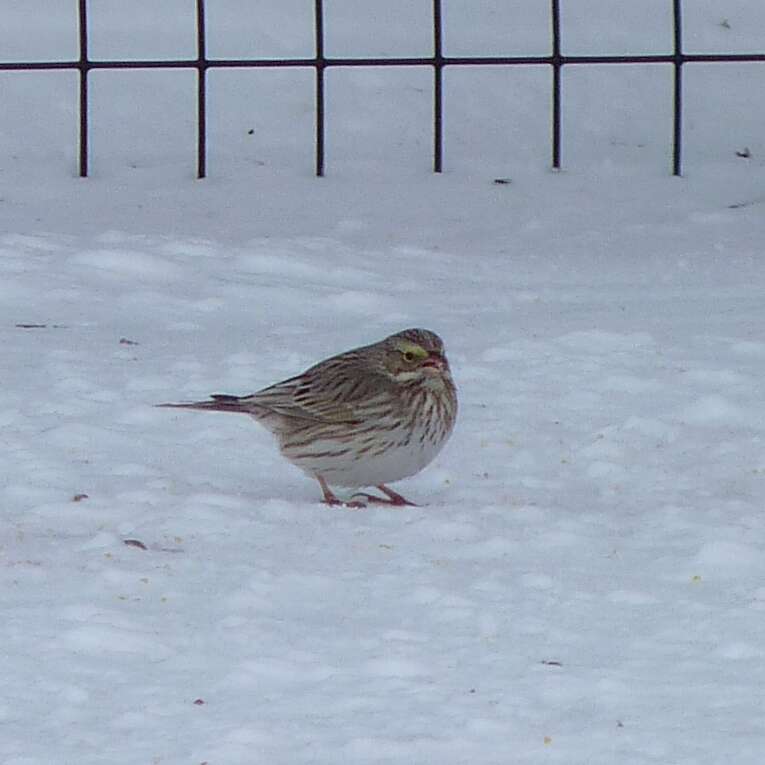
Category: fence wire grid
[438,62]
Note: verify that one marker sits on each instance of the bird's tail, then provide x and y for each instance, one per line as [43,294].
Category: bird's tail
[219,402]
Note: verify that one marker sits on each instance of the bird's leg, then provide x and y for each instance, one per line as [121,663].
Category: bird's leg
[394,498]
[330,498]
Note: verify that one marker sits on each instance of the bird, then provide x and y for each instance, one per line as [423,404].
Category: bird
[367,417]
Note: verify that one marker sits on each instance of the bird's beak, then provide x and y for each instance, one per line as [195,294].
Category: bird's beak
[435,364]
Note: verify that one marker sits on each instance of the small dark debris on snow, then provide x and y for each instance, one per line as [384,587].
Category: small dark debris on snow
[725,24]
[199,702]
[744,153]
[135,543]
[251,131]
[551,663]
[503,181]
[619,724]
[79,497]
[125,341]
[41,326]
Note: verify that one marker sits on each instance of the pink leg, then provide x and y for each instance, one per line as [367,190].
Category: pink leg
[330,498]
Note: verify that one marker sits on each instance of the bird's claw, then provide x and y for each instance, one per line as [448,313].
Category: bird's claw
[397,501]
[353,505]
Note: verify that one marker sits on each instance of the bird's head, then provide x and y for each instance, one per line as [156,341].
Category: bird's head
[415,355]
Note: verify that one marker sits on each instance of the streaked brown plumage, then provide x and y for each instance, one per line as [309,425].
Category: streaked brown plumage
[367,417]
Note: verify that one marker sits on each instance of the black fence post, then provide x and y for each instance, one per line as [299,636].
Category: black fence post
[83,66]
[320,66]
[557,64]
[438,89]
[201,91]
[677,133]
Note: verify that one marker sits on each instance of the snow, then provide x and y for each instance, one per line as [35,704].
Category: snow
[583,579]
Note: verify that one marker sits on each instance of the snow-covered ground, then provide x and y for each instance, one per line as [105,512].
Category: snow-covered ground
[584,581]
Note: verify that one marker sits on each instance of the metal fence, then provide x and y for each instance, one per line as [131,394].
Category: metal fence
[437,62]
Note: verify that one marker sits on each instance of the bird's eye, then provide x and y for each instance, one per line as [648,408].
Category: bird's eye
[408,356]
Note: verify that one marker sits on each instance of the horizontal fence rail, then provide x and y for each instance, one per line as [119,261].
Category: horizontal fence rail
[438,62]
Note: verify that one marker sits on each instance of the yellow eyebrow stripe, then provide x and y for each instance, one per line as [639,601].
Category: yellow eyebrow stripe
[416,350]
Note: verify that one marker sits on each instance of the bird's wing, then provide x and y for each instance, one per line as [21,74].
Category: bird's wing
[322,397]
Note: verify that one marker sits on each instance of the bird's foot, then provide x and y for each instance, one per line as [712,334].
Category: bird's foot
[335,502]
[393,498]
[331,499]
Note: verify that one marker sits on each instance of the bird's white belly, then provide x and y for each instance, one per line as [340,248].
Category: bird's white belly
[369,469]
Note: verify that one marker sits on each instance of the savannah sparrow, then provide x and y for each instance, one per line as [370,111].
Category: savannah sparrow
[366,417]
